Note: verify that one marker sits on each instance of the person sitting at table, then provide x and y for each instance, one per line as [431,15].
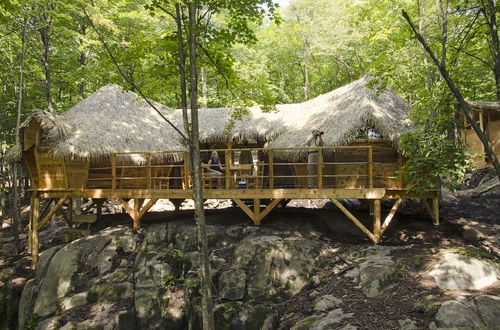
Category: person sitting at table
[215,169]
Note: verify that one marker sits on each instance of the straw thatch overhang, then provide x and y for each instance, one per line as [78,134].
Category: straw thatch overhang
[108,121]
[484,105]
[111,120]
[344,112]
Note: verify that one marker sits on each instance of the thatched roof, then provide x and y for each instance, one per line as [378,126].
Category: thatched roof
[341,114]
[111,120]
[484,105]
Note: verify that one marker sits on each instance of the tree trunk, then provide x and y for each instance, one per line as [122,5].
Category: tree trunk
[458,96]
[16,219]
[207,313]
[495,44]
[44,31]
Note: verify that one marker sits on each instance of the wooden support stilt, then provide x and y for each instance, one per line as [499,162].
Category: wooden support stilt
[30,224]
[389,217]
[377,210]
[432,211]
[354,219]
[137,212]
[34,231]
[435,210]
[244,207]
[52,212]
[137,208]
[257,215]
[98,205]
[256,211]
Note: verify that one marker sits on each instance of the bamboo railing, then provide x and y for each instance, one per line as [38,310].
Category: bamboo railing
[367,166]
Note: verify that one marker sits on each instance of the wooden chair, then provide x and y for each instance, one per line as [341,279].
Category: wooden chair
[256,180]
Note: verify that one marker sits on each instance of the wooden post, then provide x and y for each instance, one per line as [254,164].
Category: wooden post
[137,208]
[376,221]
[228,164]
[320,168]
[30,224]
[113,171]
[370,167]
[34,231]
[400,166]
[148,170]
[435,209]
[98,205]
[186,170]
[256,211]
[271,169]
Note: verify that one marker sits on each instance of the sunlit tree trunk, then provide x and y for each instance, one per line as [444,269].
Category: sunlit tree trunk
[16,221]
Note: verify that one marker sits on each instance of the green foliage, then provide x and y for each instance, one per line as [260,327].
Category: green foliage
[168,282]
[173,252]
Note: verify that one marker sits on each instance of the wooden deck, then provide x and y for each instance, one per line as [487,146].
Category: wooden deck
[366,171]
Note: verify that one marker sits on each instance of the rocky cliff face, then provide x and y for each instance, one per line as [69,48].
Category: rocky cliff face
[284,275]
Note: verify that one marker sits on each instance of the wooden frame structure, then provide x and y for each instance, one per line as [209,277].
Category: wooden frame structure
[487,116]
[365,169]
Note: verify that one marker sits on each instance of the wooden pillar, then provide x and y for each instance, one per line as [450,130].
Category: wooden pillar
[228,164]
[271,169]
[113,171]
[376,220]
[370,167]
[435,210]
[98,205]
[148,170]
[34,230]
[256,211]
[320,168]
[137,207]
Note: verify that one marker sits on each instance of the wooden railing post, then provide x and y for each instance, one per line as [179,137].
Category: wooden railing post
[271,168]
[148,170]
[320,168]
[186,170]
[370,167]
[228,164]
[400,165]
[113,171]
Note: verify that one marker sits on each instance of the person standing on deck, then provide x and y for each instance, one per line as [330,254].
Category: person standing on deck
[312,157]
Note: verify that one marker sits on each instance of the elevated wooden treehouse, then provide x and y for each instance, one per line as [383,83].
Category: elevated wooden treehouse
[85,154]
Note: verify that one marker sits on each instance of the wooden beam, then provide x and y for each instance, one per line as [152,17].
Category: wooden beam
[376,220]
[354,219]
[435,210]
[113,171]
[148,170]
[137,208]
[34,232]
[370,167]
[427,208]
[146,207]
[127,208]
[271,169]
[268,209]
[320,168]
[389,217]
[52,212]
[227,172]
[256,211]
[245,208]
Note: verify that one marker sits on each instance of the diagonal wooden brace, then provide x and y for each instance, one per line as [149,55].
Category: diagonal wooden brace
[354,219]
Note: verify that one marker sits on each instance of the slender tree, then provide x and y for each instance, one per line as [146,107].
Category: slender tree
[458,96]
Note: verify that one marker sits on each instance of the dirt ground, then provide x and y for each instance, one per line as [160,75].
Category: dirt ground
[414,297]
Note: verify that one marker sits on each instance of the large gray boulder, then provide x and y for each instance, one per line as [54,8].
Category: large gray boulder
[275,265]
[479,311]
[463,272]
[377,271]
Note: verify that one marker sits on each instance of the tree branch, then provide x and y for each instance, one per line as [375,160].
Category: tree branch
[461,101]
[127,79]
